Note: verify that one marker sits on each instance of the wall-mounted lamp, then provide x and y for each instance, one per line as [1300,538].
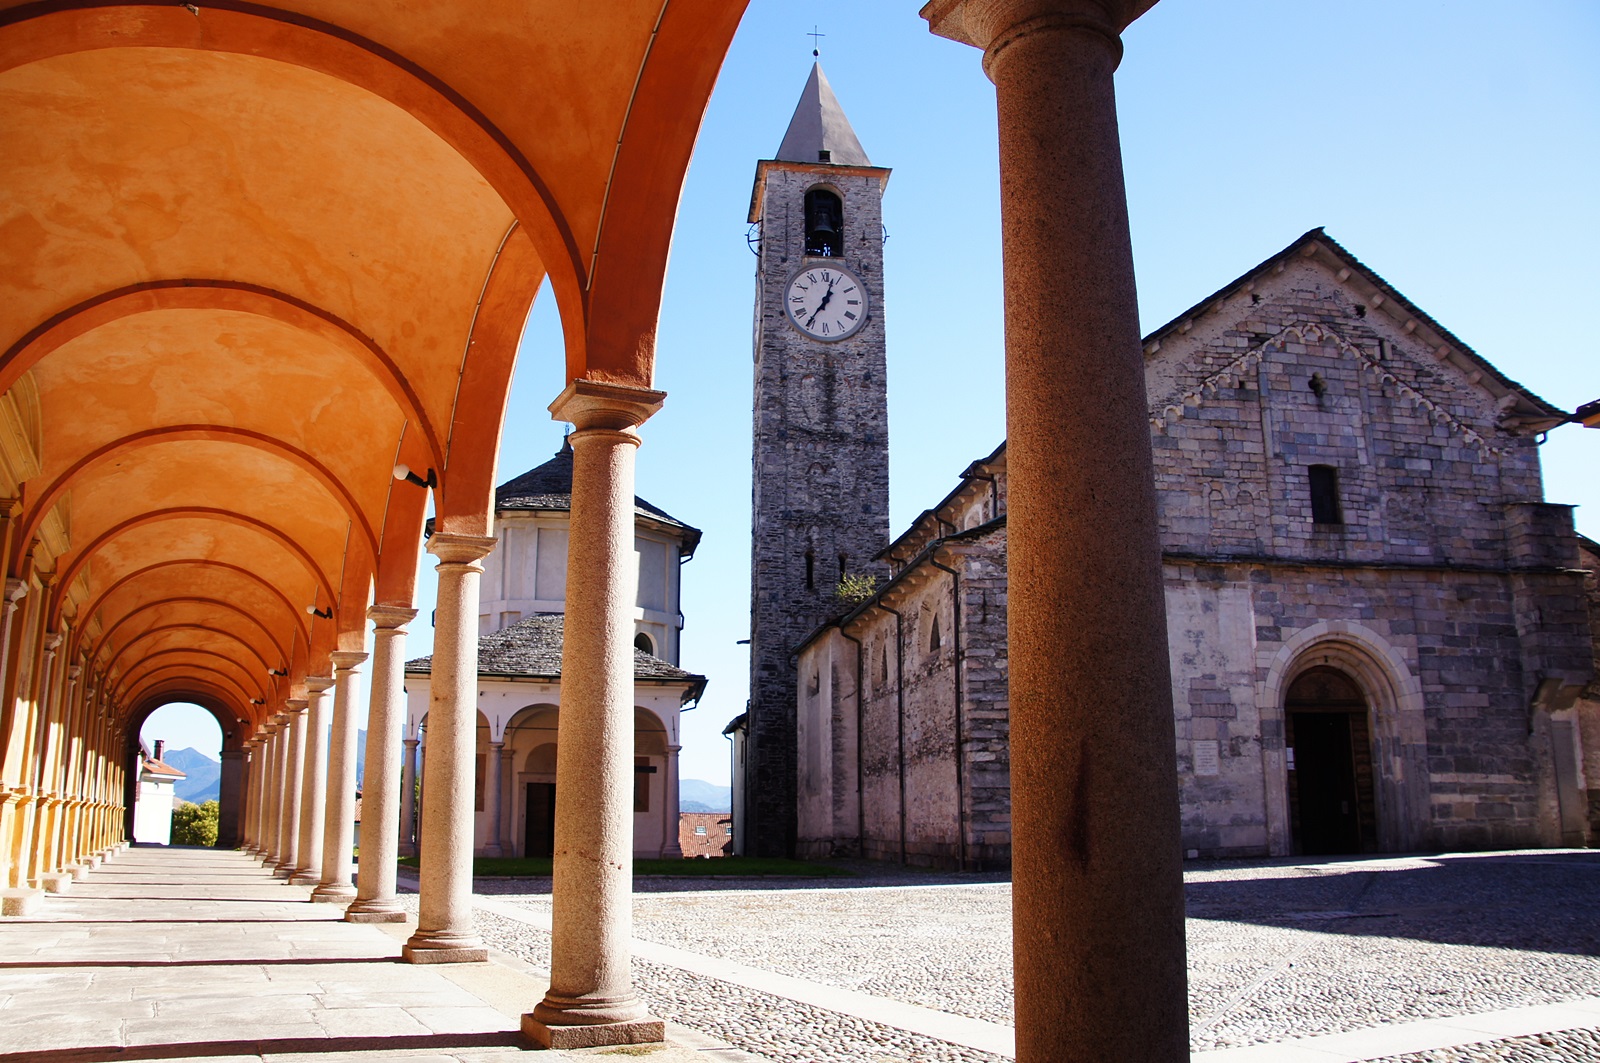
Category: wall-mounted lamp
[403,472]
[277,672]
[255,701]
[326,614]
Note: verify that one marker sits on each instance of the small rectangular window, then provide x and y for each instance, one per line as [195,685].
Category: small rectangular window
[701,829]
[1325,495]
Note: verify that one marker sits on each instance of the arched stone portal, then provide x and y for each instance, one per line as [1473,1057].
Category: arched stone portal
[230,804]
[1396,719]
[1329,749]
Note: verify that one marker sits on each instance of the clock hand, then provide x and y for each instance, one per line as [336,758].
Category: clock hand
[826,296]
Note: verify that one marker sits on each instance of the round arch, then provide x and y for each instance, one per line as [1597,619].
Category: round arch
[191,294]
[1397,721]
[183,433]
[233,729]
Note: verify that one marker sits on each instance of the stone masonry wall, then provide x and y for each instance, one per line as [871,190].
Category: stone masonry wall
[821,473]
[1298,374]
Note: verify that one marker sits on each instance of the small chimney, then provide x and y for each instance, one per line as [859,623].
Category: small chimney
[160,745]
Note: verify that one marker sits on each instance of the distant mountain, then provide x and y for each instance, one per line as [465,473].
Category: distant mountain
[696,795]
[204,775]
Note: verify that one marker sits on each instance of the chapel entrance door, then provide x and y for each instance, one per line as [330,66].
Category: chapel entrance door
[1331,804]
[539,825]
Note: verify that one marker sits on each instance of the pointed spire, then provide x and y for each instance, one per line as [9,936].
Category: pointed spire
[819,131]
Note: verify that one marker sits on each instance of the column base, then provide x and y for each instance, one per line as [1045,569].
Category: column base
[79,872]
[282,871]
[304,876]
[375,913]
[56,882]
[20,902]
[644,1031]
[444,946]
[334,893]
[448,954]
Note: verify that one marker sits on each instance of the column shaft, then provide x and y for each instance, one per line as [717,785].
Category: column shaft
[408,797]
[339,826]
[386,788]
[591,998]
[1098,892]
[491,798]
[444,921]
[294,762]
[314,783]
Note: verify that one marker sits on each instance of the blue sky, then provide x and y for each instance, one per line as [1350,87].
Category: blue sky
[1451,145]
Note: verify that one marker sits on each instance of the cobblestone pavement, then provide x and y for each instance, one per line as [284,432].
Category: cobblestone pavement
[1278,950]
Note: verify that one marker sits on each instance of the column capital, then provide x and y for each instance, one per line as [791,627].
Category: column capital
[460,549]
[347,660]
[16,590]
[994,24]
[391,617]
[317,684]
[411,741]
[294,707]
[595,404]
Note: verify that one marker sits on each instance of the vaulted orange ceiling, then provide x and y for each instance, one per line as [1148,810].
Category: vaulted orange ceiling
[253,256]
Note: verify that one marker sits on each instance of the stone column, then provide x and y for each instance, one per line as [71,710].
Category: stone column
[293,739]
[591,999]
[444,920]
[230,799]
[387,789]
[408,795]
[314,783]
[508,801]
[671,847]
[339,828]
[252,770]
[1098,890]
[491,798]
[269,814]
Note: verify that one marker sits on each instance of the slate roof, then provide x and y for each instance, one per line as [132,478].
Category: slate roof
[819,125]
[532,648]
[548,488]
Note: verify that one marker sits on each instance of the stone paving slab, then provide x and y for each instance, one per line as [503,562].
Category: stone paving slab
[158,950]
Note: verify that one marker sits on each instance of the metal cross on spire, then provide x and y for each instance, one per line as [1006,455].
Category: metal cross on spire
[815,41]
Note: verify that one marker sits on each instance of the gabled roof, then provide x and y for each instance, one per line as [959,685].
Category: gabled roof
[531,649]
[974,470]
[163,769]
[548,488]
[1518,403]
[819,126]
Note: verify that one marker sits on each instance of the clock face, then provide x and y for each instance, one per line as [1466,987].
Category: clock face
[826,302]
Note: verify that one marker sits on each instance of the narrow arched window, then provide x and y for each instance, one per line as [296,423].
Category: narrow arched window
[642,643]
[1325,495]
[811,571]
[824,223]
[933,639]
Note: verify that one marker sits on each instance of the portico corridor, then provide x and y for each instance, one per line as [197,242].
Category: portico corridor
[178,954]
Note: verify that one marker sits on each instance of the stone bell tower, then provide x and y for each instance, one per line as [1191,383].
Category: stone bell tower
[821,455]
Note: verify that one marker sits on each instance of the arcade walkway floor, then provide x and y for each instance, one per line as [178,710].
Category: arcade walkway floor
[192,954]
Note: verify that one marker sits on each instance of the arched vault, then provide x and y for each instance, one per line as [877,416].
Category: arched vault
[253,257]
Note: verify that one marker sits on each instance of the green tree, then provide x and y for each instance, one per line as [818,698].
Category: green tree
[194,824]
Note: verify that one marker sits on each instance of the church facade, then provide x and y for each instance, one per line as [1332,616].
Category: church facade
[1378,630]
[520,625]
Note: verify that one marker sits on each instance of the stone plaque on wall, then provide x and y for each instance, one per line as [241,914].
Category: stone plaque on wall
[1205,756]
